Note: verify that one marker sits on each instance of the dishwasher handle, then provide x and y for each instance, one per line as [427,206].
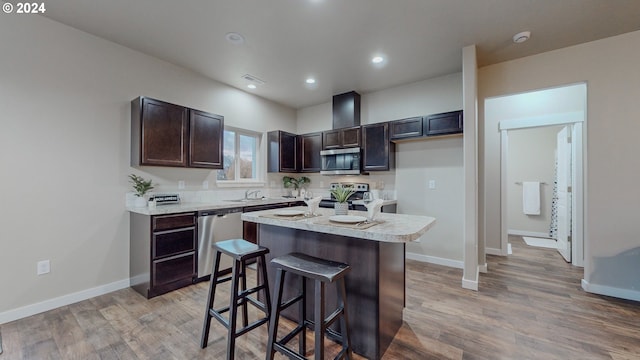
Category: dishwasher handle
[219,212]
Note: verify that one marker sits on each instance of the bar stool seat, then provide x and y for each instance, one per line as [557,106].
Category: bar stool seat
[322,272]
[241,251]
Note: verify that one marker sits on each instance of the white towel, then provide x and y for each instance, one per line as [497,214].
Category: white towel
[531,197]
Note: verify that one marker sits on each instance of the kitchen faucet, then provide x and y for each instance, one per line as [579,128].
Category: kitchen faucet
[249,192]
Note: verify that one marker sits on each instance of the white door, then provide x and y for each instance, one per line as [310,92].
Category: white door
[564,192]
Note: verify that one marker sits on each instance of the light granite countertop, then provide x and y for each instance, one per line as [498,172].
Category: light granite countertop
[392,227]
[217,205]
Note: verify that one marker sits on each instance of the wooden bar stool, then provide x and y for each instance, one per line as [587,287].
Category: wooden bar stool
[241,251]
[322,272]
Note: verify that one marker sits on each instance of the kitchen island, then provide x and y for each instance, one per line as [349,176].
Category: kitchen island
[376,254]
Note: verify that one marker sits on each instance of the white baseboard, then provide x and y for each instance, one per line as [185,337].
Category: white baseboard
[611,291]
[482,268]
[470,284]
[528,233]
[509,250]
[436,260]
[26,311]
[493,251]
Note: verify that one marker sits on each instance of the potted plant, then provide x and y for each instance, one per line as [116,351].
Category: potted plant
[296,183]
[342,194]
[141,187]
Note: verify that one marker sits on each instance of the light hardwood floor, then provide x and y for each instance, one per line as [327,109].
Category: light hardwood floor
[530,306]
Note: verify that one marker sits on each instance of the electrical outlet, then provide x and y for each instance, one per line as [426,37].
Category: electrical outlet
[44,267]
[432,184]
[205,184]
[180,184]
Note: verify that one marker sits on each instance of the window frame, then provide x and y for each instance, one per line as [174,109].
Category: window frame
[259,177]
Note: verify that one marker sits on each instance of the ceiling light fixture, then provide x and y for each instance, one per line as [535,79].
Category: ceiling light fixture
[377,59]
[251,86]
[234,38]
[310,81]
[521,37]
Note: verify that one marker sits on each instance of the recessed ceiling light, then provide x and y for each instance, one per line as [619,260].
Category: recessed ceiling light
[251,86]
[377,59]
[310,81]
[234,38]
[521,37]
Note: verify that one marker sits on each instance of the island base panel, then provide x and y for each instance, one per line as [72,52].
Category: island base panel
[375,284]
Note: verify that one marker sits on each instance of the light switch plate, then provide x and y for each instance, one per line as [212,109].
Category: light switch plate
[432,184]
[180,184]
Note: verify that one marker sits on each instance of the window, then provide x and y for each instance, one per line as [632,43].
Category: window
[240,152]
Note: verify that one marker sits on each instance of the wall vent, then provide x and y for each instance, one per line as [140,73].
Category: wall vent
[252,79]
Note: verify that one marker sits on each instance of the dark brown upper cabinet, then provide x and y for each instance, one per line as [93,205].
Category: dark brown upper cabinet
[282,152]
[159,133]
[341,138]
[378,152]
[205,140]
[165,134]
[442,124]
[406,128]
[310,147]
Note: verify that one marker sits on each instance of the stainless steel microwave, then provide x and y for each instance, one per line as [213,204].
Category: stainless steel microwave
[340,161]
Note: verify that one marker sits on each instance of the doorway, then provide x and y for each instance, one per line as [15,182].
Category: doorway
[550,107]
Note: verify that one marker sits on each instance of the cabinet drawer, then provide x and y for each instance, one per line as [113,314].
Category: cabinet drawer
[166,222]
[172,269]
[173,242]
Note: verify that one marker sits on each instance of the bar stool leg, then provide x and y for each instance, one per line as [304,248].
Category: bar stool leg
[275,314]
[344,320]
[319,321]
[204,340]
[233,310]
[302,340]
[267,293]
[245,314]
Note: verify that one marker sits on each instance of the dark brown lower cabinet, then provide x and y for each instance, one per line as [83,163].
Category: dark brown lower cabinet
[250,229]
[163,252]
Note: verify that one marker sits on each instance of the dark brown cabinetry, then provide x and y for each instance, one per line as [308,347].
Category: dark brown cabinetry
[442,124]
[310,147]
[163,252]
[346,110]
[406,128]
[164,134]
[341,138]
[205,139]
[250,229]
[378,152]
[282,152]
[158,133]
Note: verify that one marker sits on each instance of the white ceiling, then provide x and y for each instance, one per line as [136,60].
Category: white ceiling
[334,40]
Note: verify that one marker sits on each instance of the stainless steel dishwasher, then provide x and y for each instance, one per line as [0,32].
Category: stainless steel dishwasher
[214,226]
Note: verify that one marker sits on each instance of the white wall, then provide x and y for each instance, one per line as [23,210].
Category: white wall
[64,152]
[416,162]
[610,69]
[531,157]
